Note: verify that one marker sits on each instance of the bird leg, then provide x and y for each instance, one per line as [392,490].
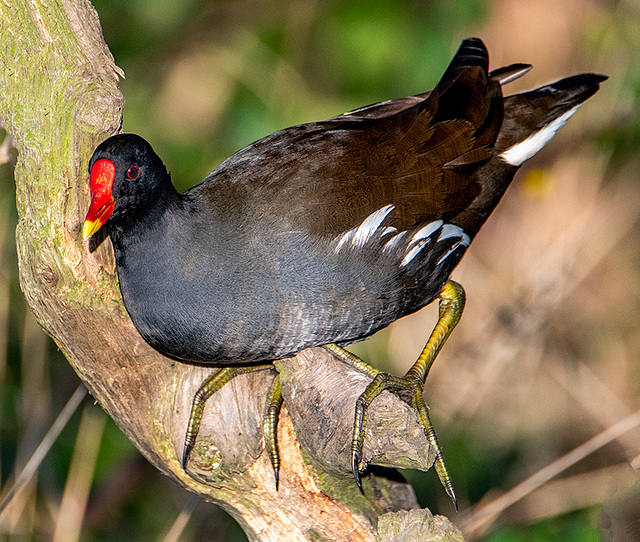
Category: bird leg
[272,414]
[212,384]
[408,387]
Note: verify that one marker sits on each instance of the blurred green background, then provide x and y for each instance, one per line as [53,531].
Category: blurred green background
[547,354]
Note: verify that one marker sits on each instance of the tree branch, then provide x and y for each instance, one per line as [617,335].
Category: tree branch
[59,100]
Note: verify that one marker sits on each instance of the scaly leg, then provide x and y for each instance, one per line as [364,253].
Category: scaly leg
[409,387]
[212,384]
[272,414]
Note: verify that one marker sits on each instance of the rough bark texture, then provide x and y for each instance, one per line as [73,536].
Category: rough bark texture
[59,99]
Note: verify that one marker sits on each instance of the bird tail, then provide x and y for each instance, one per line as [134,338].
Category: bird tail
[471,53]
[529,119]
[532,118]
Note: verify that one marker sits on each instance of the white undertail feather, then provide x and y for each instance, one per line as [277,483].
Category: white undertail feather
[510,73]
[515,75]
[524,150]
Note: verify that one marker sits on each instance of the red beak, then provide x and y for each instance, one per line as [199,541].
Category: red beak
[103,173]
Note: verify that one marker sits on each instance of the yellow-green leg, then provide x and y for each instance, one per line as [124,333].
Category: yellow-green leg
[272,414]
[408,387]
[212,384]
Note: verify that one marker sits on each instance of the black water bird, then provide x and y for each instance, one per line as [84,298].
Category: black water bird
[323,233]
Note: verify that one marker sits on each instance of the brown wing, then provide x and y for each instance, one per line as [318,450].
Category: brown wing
[419,154]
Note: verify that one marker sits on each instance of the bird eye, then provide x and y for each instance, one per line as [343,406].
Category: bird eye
[132,172]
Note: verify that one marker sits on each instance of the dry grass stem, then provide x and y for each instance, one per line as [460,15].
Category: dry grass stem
[483,516]
[41,451]
[182,520]
[80,477]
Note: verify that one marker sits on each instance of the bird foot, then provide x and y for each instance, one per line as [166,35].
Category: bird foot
[214,382]
[408,388]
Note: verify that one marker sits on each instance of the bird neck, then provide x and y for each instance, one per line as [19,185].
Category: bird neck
[132,226]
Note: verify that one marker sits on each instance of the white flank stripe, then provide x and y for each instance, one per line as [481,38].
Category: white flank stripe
[450,230]
[524,150]
[394,241]
[425,232]
[419,240]
[344,238]
[413,253]
[388,230]
[464,241]
[366,230]
[360,235]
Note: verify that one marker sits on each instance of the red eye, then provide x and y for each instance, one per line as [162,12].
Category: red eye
[132,172]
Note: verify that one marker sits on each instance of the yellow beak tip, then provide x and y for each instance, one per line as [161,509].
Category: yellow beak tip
[90,227]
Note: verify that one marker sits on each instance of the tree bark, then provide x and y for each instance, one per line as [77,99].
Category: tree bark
[60,99]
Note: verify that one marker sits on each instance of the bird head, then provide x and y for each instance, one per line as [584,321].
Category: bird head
[125,179]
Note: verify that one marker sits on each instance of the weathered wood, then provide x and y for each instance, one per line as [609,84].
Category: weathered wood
[60,99]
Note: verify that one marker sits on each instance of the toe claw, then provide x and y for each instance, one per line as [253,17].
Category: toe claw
[454,499]
[409,387]
[186,454]
[276,473]
[355,461]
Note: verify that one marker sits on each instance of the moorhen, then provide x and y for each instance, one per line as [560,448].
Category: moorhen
[323,233]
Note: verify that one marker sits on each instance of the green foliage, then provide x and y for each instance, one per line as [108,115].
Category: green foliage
[571,528]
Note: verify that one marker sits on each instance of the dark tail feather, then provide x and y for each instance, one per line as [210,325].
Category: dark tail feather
[541,113]
[472,52]
[465,92]
[573,90]
[554,99]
